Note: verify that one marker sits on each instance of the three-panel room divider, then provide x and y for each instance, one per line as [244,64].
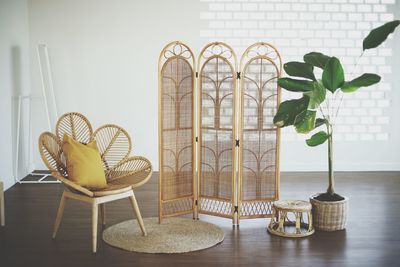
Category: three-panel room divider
[218,146]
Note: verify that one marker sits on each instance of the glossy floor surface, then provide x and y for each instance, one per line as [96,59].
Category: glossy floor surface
[372,237]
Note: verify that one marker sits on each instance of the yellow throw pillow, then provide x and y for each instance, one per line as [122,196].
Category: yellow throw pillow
[84,163]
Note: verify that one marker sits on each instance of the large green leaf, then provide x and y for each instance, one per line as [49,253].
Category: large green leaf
[299,69]
[317,139]
[305,121]
[288,111]
[317,95]
[319,122]
[367,79]
[294,85]
[378,35]
[316,59]
[333,75]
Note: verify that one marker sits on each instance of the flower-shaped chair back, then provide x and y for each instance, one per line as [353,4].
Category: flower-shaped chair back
[113,142]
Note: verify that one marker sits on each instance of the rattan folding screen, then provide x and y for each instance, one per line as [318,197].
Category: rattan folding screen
[218,147]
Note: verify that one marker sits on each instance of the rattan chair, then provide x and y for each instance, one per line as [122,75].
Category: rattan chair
[123,173]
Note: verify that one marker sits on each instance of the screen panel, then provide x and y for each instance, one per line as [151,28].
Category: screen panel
[217,85]
[176,130]
[259,137]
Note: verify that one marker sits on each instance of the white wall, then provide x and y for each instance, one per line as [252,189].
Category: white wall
[14,80]
[104,56]
[366,134]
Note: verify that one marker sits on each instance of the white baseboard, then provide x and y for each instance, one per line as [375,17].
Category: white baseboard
[352,166]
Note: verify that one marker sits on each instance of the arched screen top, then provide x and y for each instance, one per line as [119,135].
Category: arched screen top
[262,50]
[176,49]
[220,50]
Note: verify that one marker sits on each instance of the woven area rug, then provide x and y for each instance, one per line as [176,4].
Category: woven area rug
[173,235]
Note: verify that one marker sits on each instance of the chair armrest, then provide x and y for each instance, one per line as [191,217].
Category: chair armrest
[133,170]
[72,185]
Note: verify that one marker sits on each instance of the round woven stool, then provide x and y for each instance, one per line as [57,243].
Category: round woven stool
[289,214]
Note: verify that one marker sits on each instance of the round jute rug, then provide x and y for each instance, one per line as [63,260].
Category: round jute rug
[173,235]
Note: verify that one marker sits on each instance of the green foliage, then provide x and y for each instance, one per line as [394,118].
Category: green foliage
[305,121]
[320,122]
[316,59]
[289,110]
[317,139]
[316,95]
[294,85]
[333,74]
[378,35]
[367,79]
[302,112]
[299,69]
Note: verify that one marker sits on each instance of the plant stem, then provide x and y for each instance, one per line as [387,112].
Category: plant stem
[331,189]
[341,97]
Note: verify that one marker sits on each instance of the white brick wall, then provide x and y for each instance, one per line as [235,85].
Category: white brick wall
[333,27]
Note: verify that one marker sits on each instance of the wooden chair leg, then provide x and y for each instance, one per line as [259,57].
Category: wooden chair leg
[103,213]
[138,215]
[2,217]
[60,213]
[95,215]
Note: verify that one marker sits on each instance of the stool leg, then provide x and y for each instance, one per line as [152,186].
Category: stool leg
[298,215]
[310,222]
[277,213]
[282,221]
[271,222]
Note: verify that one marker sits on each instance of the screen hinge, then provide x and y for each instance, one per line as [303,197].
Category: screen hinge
[196,202]
[197,139]
[237,142]
[238,75]
[236,209]
[197,74]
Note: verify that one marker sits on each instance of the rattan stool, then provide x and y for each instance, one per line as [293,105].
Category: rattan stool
[281,221]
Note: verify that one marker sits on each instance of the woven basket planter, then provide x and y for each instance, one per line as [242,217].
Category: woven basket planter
[329,215]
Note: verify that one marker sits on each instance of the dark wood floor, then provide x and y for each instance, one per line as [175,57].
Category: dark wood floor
[372,237]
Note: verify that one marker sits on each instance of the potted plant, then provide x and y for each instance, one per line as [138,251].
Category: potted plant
[318,106]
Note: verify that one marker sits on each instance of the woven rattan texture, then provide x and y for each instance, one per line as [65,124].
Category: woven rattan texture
[259,133]
[330,216]
[177,126]
[75,125]
[217,85]
[233,101]
[178,206]
[52,154]
[114,145]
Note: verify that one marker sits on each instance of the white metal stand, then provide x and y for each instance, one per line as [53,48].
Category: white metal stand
[49,99]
